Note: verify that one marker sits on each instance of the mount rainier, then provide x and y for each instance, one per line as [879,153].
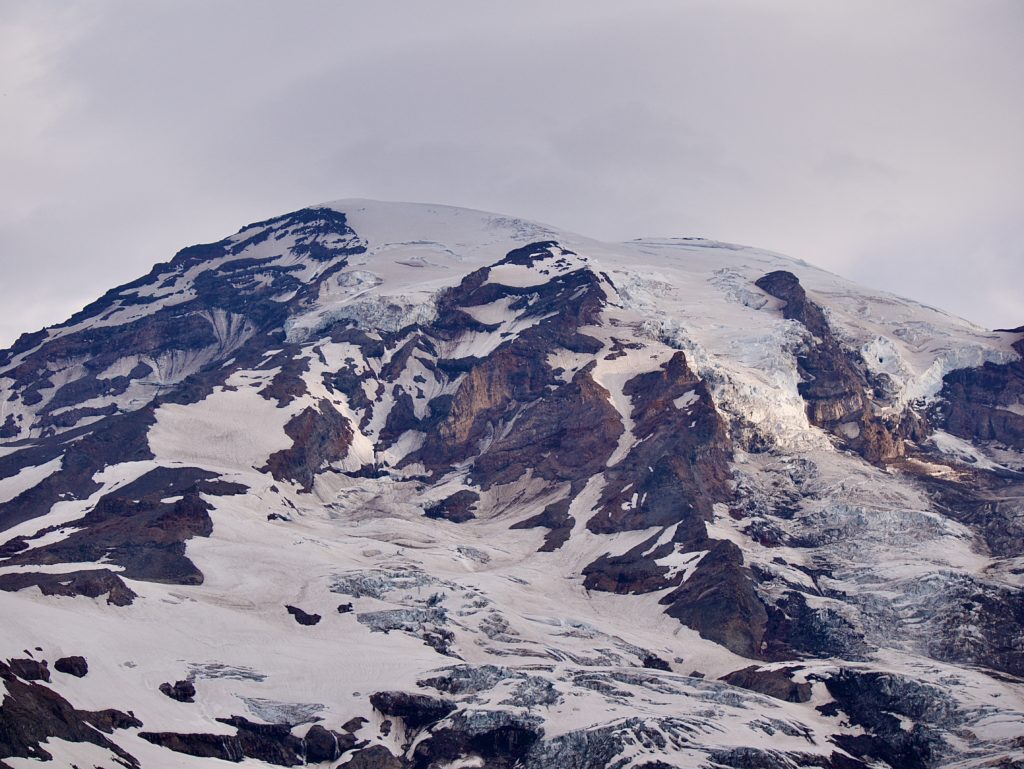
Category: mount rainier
[395,486]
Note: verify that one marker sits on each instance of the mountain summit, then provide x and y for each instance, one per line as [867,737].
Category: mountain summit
[396,486]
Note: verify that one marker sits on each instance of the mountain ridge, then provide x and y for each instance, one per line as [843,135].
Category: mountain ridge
[741,477]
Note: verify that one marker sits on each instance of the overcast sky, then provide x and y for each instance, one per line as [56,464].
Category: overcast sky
[881,140]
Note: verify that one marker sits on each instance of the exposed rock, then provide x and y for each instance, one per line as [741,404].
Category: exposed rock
[776,683]
[29,670]
[273,743]
[119,438]
[91,583]
[876,701]
[32,713]
[795,629]
[415,710]
[374,757]
[565,436]
[555,516]
[986,403]
[287,384]
[679,466]
[322,744]
[320,436]
[457,508]
[654,662]
[719,602]
[73,666]
[502,740]
[302,617]
[182,691]
[835,382]
[495,389]
[635,571]
[134,528]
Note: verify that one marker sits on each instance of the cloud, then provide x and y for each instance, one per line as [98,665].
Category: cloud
[875,139]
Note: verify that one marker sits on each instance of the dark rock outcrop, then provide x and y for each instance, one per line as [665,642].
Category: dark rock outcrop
[272,743]
[876,701]
[501,739]
[182,691]
[776,683]
[322,744]
[836,385]
[320,436]
[73,666]
[986,403]
[415,710]
[457,508]
[679,466]
[554,517]
[135,528]
[91,583]
[374,757]
[31,714]
[29,670]
[719,602]
[303,618]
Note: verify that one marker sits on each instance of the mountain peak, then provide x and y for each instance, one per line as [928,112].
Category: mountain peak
[412,485]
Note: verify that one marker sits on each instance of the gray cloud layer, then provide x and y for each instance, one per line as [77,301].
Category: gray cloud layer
[880,140]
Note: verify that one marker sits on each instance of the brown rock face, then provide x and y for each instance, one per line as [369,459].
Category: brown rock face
[719,602]
[565,436]
[986,403]
[320,436]
[775,683]
[29,670]
[457,508]
[679,466]
[374,757]
[836,385]
[515,377]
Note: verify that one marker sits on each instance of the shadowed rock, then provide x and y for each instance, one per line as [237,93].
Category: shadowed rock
[416,710]
[775,683]
[719,602]
[91,583]
[302,617]
[32,714]
[986,403]
[182,691]
[29,670]
[457,508]
[272,743]
[73,666]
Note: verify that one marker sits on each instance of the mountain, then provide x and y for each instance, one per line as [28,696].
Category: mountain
[392,486]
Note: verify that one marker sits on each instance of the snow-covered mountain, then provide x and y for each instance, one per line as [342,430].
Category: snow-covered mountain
[386,485]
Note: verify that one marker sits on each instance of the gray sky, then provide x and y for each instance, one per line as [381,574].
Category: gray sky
[881,140]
